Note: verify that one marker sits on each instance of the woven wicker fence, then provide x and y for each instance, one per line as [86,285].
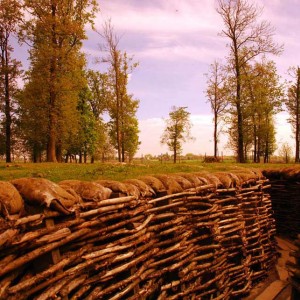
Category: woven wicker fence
[286,204]
[183,236]
[285,194]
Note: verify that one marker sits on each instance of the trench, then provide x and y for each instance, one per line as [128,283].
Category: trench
[183,236]
[285,197]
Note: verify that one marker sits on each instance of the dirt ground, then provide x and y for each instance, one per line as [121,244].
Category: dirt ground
[276,286]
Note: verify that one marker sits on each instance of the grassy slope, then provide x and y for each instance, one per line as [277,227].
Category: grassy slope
[115,171]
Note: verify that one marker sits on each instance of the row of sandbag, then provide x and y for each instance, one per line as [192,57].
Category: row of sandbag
[62,196]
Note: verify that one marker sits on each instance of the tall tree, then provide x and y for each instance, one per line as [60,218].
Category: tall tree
[56,31]
[293,106]
[10,16]
[264,96]
[248,39]
[120,104]
[216,93]
[177,130]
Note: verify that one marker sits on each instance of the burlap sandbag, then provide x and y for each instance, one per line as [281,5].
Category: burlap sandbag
[11,201]
[42,192]
[203,181]
[246,177]
[154,183]
[132,190]
[88,191]
[210,178]
[115,186]
[145,190]
[226,179]
[192,178]
[171,185]
[184,183]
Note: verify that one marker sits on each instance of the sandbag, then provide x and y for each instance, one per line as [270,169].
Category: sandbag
[11,201]
[132,190]
[210,178]
[192,178]
[145,190]
[154,183]
[115,186]
[171,185]
[42,192]
[88,191]
[226,179]
[184,183]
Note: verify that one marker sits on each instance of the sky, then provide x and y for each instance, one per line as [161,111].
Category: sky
[174,42]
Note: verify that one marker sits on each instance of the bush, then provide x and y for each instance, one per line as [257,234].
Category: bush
[211,159]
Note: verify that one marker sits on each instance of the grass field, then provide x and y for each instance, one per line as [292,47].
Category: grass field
[116,171]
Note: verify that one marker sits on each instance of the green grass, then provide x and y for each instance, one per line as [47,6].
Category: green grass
[116,171]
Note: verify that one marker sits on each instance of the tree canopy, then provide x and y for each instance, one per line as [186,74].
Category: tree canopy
[177,130]
[248,38]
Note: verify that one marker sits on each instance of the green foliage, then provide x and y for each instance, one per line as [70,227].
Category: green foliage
[177,130]
[262,97]
[56,31]
[10,17]
[123,124]
[292,103]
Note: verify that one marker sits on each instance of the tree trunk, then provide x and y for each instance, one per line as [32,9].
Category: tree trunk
[7,106]
[255,144]
[266,156]
[51,146]
[123,146]
[241,157]
[59,153]
[118,103]
[216,135]
[175,156]
[175,151]
[297,133]
[240,150]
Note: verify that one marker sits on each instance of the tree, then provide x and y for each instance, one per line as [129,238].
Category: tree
[100,91]
[264,96]
[56,31]
[121,106]
[248,39]
[10,16]
[286,152]
[292,103]
[177,130]
[216,93]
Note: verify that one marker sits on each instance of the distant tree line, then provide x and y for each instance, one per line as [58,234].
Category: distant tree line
[245,92]
[58,114]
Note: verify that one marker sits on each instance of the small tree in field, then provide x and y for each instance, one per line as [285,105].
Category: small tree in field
[177,130]
[286,152]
